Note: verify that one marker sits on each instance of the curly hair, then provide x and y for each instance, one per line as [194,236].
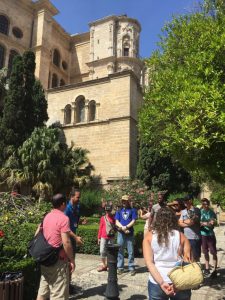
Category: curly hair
[165,222]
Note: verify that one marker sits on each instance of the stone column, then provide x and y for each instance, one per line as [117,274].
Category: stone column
[86,116]
[73,113]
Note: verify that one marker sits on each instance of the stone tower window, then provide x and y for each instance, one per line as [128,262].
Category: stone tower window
[125,51]
[126,45]
[54,80]
[12,54]
[92,110]
[67,114]
[56,58]
[4,25]
[80,109]
[2,56]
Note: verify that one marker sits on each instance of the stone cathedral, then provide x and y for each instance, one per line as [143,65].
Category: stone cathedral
[93,80]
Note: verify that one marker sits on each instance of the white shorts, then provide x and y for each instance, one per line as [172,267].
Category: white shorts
[103,244]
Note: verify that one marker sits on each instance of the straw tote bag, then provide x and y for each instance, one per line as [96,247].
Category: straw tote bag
[186,277]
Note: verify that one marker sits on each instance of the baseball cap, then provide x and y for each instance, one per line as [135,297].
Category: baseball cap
[125,198]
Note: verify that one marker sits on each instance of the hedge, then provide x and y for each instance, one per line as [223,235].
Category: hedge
[30,272]
[14,255]
[89,234]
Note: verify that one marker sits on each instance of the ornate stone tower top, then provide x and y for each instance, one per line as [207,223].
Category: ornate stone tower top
[114,46]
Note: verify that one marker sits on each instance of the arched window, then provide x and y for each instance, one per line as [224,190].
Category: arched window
[67,114]
[62,82]
[126,45]
[92,110]
[54,80]
[4,25]
[12,54]
[2,56]
[56,58]
[80,109]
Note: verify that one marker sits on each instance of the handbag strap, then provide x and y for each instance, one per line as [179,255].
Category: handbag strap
[107,221]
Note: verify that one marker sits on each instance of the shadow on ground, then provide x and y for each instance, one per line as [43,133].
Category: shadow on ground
[217,283]
[137,296]
[141,270]
[95,291]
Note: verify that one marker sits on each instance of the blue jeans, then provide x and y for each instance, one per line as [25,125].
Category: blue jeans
[196,249]
[156,293]
[125,240]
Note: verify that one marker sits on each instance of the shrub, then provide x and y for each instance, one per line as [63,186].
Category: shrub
[218,194]
[89,233]
[136,189]
[17,237]
[29,270]
[90,202]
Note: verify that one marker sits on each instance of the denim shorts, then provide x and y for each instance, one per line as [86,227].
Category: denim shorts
[156,293]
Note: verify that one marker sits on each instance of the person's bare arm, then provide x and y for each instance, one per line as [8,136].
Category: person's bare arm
[186,248]
[68,249]
[77,238]
[145,216]
[149,260]
[119,225]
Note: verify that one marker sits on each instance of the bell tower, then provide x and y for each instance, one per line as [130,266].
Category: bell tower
[114,46]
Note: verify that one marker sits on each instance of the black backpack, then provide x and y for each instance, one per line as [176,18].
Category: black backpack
[42,252]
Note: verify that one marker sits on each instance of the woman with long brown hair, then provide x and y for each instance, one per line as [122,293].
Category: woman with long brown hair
[162,249]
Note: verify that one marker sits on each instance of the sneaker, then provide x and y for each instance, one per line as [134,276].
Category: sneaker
[120,271]
[132,272]
[214,274]
[206,272]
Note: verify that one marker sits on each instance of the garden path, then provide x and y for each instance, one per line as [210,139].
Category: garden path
[94,283]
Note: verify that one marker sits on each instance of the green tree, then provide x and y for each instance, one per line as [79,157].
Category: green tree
[25,106]
[29,80]
[40,105]
[161,172]
[184,111]
[2,89]
[35,104]
[12,127]
[45,164]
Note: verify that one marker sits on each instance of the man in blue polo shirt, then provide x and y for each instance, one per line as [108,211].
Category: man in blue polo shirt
[125,219]
[72,211]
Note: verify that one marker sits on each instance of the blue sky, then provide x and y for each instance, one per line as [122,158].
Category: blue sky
[75,15]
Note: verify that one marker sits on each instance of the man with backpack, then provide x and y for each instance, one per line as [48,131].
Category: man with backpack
[54,283]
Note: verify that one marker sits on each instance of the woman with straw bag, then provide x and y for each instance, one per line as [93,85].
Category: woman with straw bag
[162,248]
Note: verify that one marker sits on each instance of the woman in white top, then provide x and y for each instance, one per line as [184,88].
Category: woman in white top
[162,248]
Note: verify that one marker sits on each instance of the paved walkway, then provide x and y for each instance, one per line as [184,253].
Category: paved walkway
[94,283]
